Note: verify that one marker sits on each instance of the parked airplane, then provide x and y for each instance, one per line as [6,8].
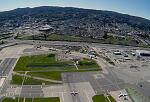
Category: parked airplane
[74,93]
[122,94]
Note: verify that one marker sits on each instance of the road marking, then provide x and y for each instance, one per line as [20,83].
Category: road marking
[108,99]
[76,66]
[24,99]
[32,99]
[87,96]
[62,97]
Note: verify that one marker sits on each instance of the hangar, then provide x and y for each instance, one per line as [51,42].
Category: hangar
[143,53]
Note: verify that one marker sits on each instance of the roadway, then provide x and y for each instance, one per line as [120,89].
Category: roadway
[6,66]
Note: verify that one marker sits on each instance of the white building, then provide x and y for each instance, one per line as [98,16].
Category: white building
[143,53]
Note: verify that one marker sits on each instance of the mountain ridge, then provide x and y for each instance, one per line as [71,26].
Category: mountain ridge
[75,21]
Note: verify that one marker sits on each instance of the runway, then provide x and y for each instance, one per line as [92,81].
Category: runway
[6,66]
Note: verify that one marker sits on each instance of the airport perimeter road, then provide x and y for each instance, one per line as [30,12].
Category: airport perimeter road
[6,66]
[98,45]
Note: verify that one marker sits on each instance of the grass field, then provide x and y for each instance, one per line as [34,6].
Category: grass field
[102,98]
[54,75]
[111,99]
[17,80]
[42,62]
[46,66]
[88,64]
[55,99]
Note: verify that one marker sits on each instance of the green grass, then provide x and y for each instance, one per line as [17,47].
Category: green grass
[12,100]
[17,80]
[102,98]
[45,66]
[88,63]
[42,62]
[54,99]
[54,75]
[111,99]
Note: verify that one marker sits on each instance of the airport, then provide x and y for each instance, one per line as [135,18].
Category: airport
[73,72]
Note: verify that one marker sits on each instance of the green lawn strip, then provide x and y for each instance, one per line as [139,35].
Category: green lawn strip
[111,99]
[17,80]
[31,81]
[53,99]
[100,98]
[29,100]
[42,62]
[56,99]
[88,63]
[52,66]
[12,100]
[53,75]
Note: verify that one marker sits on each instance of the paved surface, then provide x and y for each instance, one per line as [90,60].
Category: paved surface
[145,89]
[99,81]
[31,91]
[13,51]
[84,89]
[6,66]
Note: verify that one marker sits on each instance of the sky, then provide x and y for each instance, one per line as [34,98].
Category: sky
[139,8]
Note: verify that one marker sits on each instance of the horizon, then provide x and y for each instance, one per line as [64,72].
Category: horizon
[79,8]
[134,8]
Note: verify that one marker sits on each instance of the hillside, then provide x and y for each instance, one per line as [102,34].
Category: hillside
[84,23]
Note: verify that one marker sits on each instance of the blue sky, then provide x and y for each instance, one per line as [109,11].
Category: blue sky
[133,7]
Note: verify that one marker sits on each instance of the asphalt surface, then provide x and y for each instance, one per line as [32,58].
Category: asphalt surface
[31,91]
[72,88]
[6,66]
[99,81]
[145,89]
